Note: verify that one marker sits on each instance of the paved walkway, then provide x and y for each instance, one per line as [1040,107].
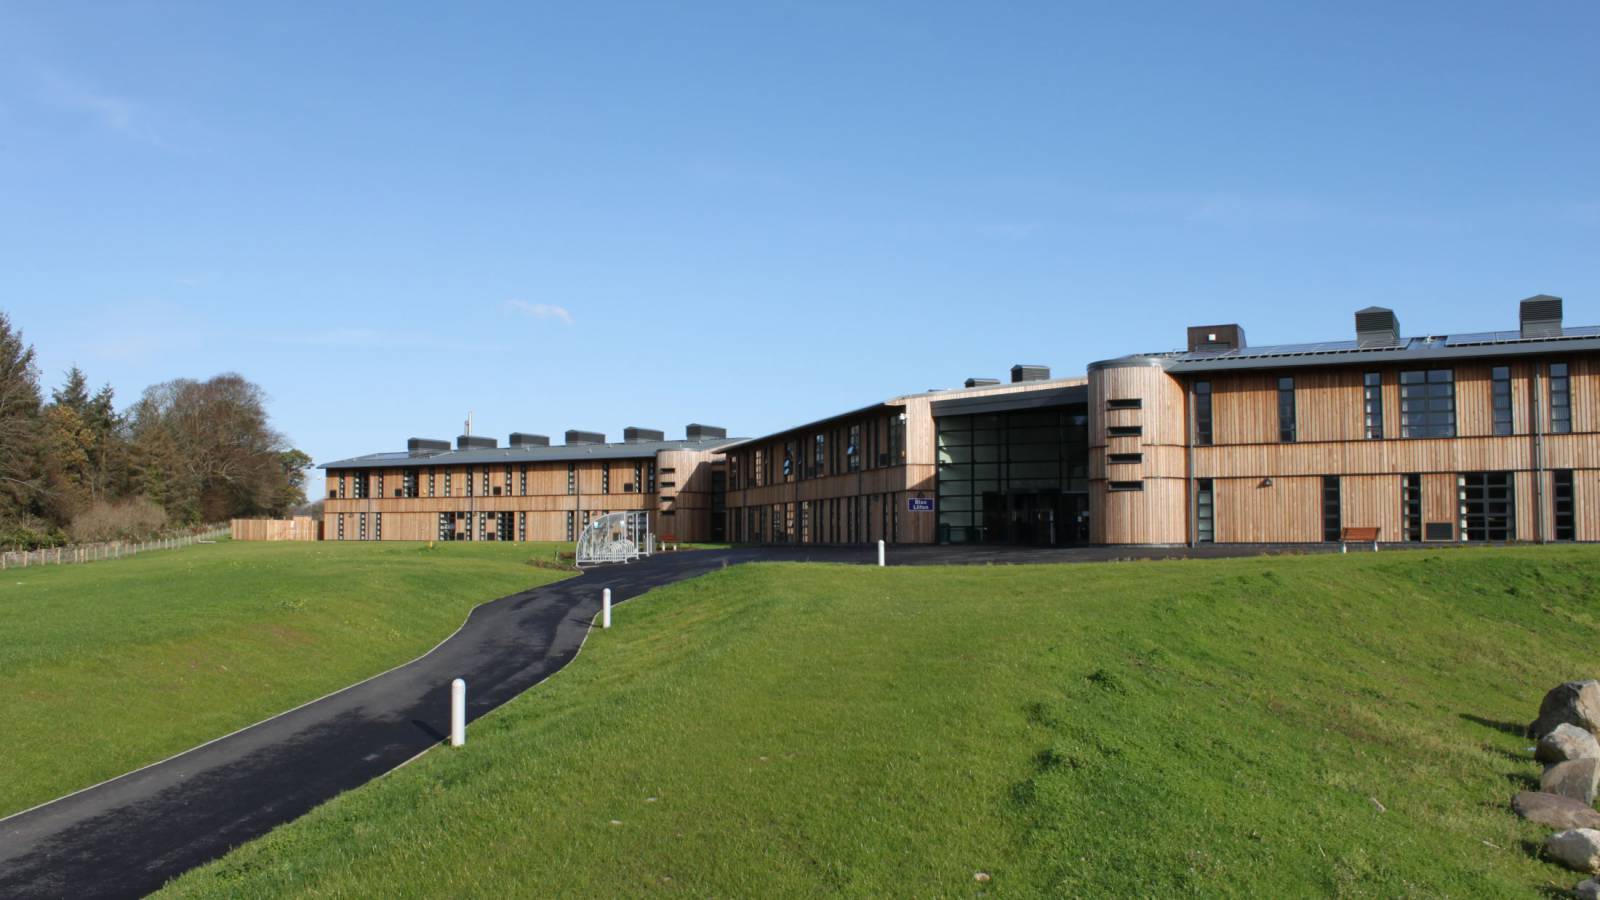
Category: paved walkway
[128,836]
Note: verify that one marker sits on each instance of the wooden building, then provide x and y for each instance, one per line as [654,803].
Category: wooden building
[528,490]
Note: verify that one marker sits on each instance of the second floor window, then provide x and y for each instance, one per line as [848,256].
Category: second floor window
[605,478]
[1500,394]
[1286,424]
[1560,399]
[1428,403]
[1372,404]
[852,449]
[1202,413]
[572,480]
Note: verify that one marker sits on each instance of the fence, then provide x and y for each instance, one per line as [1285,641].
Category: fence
[83,553]
[299,528]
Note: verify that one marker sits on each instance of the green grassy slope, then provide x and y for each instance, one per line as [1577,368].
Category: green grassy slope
[109,666]
[1215,728]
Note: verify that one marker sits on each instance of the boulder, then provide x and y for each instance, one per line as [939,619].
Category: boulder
[1587,890]
[1577,849]
[1554,810]
[1566,741]
[1576,778]
[1575,703]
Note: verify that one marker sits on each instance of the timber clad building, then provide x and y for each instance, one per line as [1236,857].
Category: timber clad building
[1450,438]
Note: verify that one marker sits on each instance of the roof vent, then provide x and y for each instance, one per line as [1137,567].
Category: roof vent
[1541,316]
[980,382]
[1215,338]
[1377,327]
[1020,373]
[426,447]
[697,432]
[474,442]
[523,439]
[585,437]
[636,435]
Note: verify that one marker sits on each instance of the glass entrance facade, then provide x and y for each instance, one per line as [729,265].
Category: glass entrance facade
[1014,477]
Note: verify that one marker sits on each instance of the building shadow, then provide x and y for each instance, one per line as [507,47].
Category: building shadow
[1512,728]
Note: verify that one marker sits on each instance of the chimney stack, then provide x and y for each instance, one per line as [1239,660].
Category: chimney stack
[523,439]
[474,442]
[1215,338]
[980,382]
[1377,327]
[426,447]
[1540,316]
[636,435]
[575,437]
[1021,373]
[697,432]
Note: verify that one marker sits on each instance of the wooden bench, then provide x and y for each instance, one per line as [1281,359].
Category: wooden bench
[666,538]
[1358,535]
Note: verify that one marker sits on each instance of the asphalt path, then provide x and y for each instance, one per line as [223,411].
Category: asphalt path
[128,836]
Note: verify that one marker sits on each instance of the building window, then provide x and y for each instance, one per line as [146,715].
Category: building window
[1428,403]
[788,461]
[447,480]
[1566,513]
[638,478]
[486,481]
[377,526]
[503,525]
[361,523]
[1500,394]
[605,478]
[1125,459]
[897,439]
[1488,506]
[819,454]
[1331,520]
[1205,512]
[1125,431]
[572,481]
[1372,404]
[852,449]
[380,494]
[650,477]
[471,475]
[341,485]
[523,476]
[446,527]
[758,473]
[408,483]
[1286,423]
[571,526]
[430,480]
[341,526]
[1125,403]
[1202,413]
[358,485]
[508,479]
[1126,485]
[1560,399]
[1411,506]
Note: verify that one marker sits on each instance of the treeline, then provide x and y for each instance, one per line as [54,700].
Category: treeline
[72,468]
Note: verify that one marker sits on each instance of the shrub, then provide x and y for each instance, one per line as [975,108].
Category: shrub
[126,520]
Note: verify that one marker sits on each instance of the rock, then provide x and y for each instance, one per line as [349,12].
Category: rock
[1587,890]
[1555,810]
[1577,849]
[1566,741]
[1575,703]
[1577,778]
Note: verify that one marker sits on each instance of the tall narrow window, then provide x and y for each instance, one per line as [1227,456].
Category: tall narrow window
[820,454]
[571,525]
[446,527]
[508,479]
[1372,403]
[471,473]
[358,486]
[788,461]
[1205,512]
[1560,399]
[340,517]
[650,476]
[1202,413]
[361,523]
[1428,403]
[486,481]
[1331,520]
[447,480]
[605,478]
[852,450]
[341,487]
[377,526]
[1566,513]
[408,483]
[380,494]
[1500,395]
[1411,506]
[431,474]
[1286,423]
[523,475]
[572,480]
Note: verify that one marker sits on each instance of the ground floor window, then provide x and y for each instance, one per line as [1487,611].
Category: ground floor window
[446,527]
[377,526]
[361,523]
[522,526]
[1411,506]
[1331,519]
[1565,512]
[1205,512]
[341,526]
[1488,506]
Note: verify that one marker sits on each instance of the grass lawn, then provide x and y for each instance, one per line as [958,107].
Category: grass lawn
[1223,727]
[109,666]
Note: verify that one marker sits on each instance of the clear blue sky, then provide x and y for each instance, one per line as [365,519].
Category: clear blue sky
[593,215]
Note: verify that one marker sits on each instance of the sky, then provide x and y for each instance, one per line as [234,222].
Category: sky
[592,215]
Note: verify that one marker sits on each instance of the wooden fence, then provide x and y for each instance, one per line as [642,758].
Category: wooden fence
[83,553]
[299,528]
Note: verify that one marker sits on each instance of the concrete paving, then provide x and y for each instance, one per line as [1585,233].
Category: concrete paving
[128,836]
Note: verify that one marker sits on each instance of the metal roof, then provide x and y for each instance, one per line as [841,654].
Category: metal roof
[1013,400]
[636,450]
[887,404]
[1472,345]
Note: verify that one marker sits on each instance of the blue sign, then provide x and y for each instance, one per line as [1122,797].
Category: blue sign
[919,504]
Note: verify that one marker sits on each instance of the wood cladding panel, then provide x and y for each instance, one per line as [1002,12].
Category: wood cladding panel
[1155,515]
[1288,510]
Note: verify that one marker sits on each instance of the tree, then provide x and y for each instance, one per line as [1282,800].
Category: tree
[21,476]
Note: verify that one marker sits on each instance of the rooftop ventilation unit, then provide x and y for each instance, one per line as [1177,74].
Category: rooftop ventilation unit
[1020,373]
[426,447]
[1215,338]
[585,437]
[980,382]
[1377,327]
[474,442]
[1541,316]
[697,432]
[635,435]
[523,439]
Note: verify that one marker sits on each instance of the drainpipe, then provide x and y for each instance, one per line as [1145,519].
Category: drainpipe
[1538,459]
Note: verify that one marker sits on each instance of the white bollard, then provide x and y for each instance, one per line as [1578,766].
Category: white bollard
[605,608]
[880,552]
[458,712]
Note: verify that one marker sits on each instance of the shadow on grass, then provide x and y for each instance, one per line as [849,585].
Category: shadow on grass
[1510,728]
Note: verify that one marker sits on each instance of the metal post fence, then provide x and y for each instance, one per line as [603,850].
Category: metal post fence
[106,550]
